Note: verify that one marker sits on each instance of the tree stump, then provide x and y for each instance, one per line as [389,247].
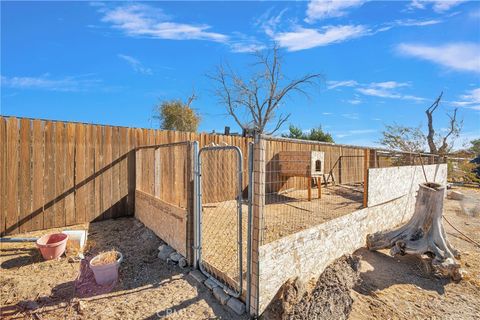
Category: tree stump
[423,234]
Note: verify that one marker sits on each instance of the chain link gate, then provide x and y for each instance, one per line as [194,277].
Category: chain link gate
[221,226]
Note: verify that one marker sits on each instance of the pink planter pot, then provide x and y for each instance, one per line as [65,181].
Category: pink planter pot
[107,273]
[52,246]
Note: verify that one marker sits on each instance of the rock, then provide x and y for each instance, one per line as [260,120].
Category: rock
[210,283]
[236,305]
[175,256]
[455,195]
[221,295]
[182,263]
[198,275]
[164,252]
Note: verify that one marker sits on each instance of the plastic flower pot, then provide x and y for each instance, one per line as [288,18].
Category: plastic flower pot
[52,246]
[105,273]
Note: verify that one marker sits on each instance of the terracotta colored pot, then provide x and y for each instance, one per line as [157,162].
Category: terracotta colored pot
[52,246]
[106,273]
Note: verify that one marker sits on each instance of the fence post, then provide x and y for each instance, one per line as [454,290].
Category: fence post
[366,162]
[258,205]
[340,169]
[373,159]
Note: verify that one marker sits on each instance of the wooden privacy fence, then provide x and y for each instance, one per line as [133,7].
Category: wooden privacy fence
[55,174]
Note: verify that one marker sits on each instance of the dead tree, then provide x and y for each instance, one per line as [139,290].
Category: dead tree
[254,103]
[454,129]
[423,234]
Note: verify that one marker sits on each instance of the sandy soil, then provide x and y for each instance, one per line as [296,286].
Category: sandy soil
[148,288]
[402,288]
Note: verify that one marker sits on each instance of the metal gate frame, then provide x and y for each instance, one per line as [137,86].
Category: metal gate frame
[198,219]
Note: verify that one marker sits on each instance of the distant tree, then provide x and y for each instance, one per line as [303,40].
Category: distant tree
[413,139]
[294,133]
[410,139]
[315,134]
[475,146]
[177,115]
[255,102]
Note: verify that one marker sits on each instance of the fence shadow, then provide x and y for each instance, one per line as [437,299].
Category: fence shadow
[129,156]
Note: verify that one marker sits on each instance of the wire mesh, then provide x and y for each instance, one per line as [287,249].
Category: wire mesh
[384,159]
[222,229]
[309,185]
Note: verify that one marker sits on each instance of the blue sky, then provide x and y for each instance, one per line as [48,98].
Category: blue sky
[111,62]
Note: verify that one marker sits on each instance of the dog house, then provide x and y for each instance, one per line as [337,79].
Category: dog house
[309,164]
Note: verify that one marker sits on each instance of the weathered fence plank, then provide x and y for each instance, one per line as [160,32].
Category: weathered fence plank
[70,174]
[115,173]
[98,213]
[24,183]
[90,171]
[12,176]
[38,176]
[49,185]
[80,189]
[3,174]
[107,174]
[59,218]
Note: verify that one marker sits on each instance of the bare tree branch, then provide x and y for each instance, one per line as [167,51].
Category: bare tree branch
[259,98]
[431,130]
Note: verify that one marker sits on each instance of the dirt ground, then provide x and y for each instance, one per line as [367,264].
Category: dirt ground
[148,288]
[390,288]
[402,288]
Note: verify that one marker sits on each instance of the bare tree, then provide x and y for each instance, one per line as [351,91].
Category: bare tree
[254,103]
[414,140]
[454,129]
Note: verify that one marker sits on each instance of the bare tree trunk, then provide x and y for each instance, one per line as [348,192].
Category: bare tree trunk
[431,130]
[423,234]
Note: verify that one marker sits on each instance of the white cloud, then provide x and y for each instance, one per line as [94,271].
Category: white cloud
[321,9]
[389,84]
[416,23]
[44,82]
[351,116]
[470,100]
[336,84]
[305,38]
[243,43]
[387,89]
[438,6]
[135,64]
[143,20]
[354,101]
[457,56]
